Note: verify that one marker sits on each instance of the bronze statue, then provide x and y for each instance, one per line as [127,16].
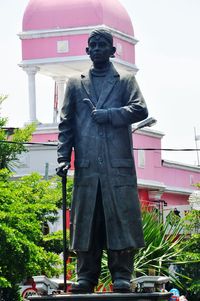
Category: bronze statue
[99,108]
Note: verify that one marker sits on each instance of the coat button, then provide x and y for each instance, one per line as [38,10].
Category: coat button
[101,132]
[100,160]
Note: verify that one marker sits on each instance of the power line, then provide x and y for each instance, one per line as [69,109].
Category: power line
[29,143]
[170,149]
[134,148]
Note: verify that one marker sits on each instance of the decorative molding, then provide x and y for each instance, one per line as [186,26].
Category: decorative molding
[42,147]
[177,165]
[130,66]
[31,70]
[36,34]
[148,132]
[47,128]
[70,59]
[54,60]
[59,79]
[63,46]
[152,185]
[178,190]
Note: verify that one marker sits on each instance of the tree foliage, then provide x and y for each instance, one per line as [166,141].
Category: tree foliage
[9,151]
[25,205]
[191,282]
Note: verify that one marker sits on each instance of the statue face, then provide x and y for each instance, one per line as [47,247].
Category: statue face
[99,50]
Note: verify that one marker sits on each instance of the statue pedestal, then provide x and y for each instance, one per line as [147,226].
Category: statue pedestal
[105,297]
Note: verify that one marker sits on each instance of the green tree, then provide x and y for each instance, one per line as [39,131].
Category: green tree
[25,206]
[9,151]
[191,282]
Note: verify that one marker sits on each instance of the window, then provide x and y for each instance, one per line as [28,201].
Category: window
[141,158]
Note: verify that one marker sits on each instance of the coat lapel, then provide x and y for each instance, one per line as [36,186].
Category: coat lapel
[88,87]
[111,79]
[109,83]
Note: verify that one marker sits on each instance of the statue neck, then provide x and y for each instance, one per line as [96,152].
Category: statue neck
[103,68]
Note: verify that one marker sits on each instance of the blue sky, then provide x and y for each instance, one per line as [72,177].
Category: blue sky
[167,54]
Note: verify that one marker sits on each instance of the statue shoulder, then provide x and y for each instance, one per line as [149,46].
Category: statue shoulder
[127,75]
[76,79]
[123,74]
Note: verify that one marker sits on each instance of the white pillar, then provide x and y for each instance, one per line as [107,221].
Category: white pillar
[60,84]
[31,72]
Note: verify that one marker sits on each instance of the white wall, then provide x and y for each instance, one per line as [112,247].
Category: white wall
[36,160]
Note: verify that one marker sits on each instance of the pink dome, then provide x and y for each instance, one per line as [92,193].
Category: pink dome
[55,14]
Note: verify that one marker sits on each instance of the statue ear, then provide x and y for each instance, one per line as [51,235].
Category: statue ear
[87,50]
[113,52]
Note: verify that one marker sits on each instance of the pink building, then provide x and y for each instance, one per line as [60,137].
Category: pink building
[54,38]
[160,180]
[55,34]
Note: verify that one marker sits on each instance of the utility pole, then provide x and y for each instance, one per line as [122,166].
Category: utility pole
[196,138]
[46,174]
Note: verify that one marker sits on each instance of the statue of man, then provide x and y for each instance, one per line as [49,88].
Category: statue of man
[99,108]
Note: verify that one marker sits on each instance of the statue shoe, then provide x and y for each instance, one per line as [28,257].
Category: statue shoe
[121,286]
[82,287]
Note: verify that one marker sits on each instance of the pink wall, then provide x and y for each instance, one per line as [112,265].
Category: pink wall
[179,177]
[47,137]
[175,199]
[41,48]
[154,169]
[128,51]
[47,47]
[152,158]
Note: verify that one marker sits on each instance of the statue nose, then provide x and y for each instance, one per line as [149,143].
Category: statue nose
[97,48]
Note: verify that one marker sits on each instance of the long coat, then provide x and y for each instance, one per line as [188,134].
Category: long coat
[103,153]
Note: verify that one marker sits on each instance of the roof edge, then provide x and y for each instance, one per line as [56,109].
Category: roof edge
[35,34]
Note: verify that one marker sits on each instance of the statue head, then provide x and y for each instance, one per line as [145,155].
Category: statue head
[101,32]
[100,46]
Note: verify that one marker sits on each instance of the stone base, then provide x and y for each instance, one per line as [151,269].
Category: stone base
[105,297]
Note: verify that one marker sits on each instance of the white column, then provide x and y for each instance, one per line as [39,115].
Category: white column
[31,72]
[60,83]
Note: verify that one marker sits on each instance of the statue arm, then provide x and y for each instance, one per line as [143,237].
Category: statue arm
[66,130]
[135,108]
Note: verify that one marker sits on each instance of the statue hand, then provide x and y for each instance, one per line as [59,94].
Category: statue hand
[100,115]
[62,169]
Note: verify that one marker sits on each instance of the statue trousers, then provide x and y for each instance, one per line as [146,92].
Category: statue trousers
[120,262]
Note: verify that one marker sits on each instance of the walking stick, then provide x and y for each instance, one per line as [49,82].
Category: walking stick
[65,249]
